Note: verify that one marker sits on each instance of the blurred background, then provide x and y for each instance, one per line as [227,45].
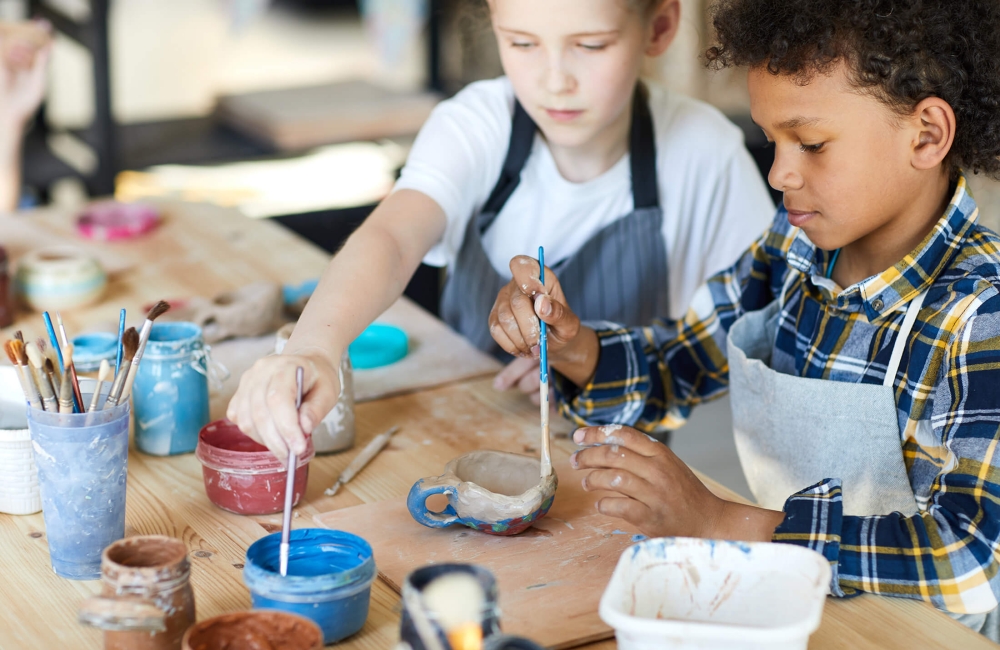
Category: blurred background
[301,111]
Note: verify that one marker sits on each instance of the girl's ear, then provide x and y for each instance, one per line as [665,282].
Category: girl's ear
[933,123]
[665,20]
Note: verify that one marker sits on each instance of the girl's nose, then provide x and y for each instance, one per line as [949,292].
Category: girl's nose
[558,79]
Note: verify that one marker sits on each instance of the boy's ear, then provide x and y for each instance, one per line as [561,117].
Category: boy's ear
[933,122]
[665,19]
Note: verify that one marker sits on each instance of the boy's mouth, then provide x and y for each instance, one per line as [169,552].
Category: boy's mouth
[563,116]
[799,217]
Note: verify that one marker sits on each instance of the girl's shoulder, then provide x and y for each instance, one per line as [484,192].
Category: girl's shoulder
[489,102]
[688,127]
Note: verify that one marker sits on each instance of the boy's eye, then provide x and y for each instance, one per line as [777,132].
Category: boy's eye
[810,148]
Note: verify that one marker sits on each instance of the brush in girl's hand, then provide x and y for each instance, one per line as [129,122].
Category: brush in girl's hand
[66,397]
[17,349]
[44,385]
[31,395]
[158,310]
[75,382]
[130,343]
[103,375]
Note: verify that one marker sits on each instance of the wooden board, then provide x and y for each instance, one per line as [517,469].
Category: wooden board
[299,118]
[554,571]
[438,355]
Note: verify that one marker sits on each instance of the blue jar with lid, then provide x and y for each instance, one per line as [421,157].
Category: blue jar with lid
[170,394]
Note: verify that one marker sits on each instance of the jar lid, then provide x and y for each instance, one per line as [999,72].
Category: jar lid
[92,348]
[379,345]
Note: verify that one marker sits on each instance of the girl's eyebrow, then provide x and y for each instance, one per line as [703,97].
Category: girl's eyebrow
[610,32]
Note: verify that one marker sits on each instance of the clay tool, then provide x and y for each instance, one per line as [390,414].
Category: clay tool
[543,369]
[293,461]
[44,384]
[66,398]
[103,375]
[121,333]
[75,382]
[371,450]
[30,392]
[130,343]
[158,310]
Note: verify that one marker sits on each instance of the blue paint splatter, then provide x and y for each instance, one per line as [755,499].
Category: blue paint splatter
[619,532]
[639,538]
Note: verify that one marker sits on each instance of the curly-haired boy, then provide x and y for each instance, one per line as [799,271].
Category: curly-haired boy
[859,337]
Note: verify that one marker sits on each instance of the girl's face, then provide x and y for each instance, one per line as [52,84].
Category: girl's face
[574,63]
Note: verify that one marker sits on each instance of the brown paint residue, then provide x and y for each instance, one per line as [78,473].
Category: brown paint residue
[254,630]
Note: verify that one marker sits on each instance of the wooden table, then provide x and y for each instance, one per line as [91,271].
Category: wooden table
[206,250]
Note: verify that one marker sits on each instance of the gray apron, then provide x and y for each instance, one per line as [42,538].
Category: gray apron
[620,274]
[792,432]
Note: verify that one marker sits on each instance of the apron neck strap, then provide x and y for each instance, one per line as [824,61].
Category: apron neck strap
[912,310]
[642,149]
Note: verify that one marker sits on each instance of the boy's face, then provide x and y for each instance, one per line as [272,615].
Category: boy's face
[842,158]
[573,63]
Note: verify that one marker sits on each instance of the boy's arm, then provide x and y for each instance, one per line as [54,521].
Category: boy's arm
[947,553]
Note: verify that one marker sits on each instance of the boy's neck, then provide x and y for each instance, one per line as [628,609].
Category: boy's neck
[587,161]
[883,248]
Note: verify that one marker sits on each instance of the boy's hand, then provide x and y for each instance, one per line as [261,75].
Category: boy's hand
[519,306]
[658,493]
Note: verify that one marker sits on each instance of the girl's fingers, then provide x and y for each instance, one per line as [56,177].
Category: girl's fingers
[263,426]
[618,434]
[280,400]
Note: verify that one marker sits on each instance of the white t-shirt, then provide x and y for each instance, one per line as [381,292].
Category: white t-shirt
[714,201]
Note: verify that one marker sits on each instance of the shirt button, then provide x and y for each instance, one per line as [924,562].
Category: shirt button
[877,304]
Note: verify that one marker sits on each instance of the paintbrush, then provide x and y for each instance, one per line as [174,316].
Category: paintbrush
[44,383]
[75,382]
[47,354]
[293,461]
[121,333]
[29,377]
[543,369]
[29,394]
[371,450]
[158,310]
[130,343]
[103,375]
[52,336]
[66,397]
[54,379]
[18,336]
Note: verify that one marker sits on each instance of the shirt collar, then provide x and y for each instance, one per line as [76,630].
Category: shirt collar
[886,292]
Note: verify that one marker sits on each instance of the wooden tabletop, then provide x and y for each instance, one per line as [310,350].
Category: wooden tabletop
[203,250]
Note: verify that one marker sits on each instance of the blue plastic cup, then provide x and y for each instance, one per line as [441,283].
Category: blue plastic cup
[329,578]
[171,390]
[82,461]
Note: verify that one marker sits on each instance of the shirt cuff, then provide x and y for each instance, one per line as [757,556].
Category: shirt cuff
[617,392]
[814,518]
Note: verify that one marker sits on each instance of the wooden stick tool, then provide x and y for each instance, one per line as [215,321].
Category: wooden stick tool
[370,451]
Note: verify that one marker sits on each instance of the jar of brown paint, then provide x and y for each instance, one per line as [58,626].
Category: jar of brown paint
[146,601]
[259,628]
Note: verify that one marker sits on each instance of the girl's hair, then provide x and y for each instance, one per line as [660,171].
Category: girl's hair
[900,51]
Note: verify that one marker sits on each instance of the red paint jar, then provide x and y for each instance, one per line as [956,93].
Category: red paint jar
[241,475]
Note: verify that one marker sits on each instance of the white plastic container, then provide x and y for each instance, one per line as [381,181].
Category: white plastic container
[19,493]
[698,594]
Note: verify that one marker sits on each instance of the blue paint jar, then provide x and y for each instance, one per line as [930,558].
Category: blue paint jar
[170,395]
[329,579]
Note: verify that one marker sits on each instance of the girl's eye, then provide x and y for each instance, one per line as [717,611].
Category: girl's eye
[810,148]
[521,45]
[593,47]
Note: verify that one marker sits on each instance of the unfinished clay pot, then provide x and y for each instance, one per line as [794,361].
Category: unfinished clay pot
[254,630]
[253,310]
[496,492]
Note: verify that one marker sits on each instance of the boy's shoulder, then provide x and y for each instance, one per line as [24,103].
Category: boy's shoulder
[689,127]
[971,280]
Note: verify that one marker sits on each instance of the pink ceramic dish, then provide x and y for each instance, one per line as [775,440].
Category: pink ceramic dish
[114,221]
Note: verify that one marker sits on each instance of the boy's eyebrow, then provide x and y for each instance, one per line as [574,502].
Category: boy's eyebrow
[609,32]
[799,121]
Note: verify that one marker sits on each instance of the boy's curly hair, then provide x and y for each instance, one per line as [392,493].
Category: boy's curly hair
[901,51]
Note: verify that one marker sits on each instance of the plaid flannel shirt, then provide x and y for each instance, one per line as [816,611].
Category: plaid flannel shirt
[947,395]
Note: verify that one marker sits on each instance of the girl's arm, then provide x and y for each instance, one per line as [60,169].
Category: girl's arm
[362,280]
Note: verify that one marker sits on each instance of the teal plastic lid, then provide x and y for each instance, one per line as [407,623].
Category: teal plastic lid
[90,349]
[379,345]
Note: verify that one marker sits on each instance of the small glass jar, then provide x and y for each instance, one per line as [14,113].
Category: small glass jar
[170,394]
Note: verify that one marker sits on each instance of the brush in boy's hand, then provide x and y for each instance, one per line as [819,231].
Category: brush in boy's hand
[44,385]
[158,310]
[103,375]
[10,348]
[66,397]
[130,343]
[17,349]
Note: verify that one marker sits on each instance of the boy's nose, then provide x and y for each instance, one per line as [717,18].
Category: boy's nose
[783,175]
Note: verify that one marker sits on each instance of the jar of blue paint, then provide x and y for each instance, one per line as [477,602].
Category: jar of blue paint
[329,578]
[170,395]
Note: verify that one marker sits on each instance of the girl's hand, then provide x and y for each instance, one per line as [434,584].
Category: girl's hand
[24,50]
[519,306]
[657,493]
[264,404]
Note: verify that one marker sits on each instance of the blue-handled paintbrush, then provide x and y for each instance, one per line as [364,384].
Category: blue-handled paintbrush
[543,369]
[121,333]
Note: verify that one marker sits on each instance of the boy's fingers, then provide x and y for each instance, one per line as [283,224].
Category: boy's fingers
[524,275]
[615,457]
[527,323]
[617,434]
[563,323]
[508,324]
[630,510]
[513,372]
[531,380]
[621,481]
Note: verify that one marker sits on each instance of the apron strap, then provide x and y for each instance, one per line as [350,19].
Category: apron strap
[642,148]
[904,334]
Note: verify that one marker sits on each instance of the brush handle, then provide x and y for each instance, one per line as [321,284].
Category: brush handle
[543,387]
[52,336]
[35,399]
[121,335]
[24,385]
[75,387]
[96,397]
[66,398]
[543,340]
[114,396]
[48,395]
[147,327]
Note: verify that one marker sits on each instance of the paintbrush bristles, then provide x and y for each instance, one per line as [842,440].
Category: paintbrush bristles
[8,347]
[158,310]
[19,336]
[130,343]
[34,355]
[66,399]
